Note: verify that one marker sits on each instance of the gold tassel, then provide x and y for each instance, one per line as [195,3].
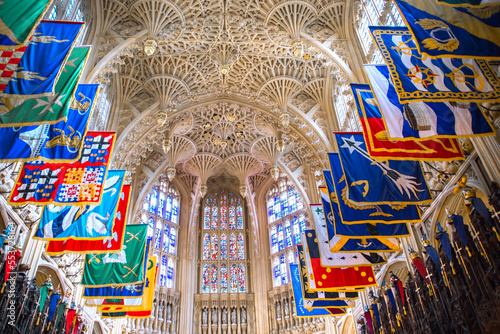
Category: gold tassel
[496,233]
[452,269]
[404,310]
[468,251]
[397,318]
[3,287]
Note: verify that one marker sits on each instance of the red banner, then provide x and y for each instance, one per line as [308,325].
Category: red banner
[80,182]
[90,246]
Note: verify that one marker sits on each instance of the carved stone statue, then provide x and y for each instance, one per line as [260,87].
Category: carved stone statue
[278,310]
[285,305]
[169,312]
[233,316]
[204,316]
[214,316]
[160,311]
[243,315]
[224,316]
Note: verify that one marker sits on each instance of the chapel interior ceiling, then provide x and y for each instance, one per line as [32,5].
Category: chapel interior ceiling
[223,72]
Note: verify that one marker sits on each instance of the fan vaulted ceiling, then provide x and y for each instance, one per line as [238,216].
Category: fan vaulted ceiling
[224,72]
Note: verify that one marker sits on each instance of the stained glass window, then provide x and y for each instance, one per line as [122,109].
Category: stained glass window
[214,217]
[213,279]
[205,281]
[145,206]
[158,236]
[153,202]
[234,278]
[161,205]
[173,239]
[223,246]
[166,239]
[175,211]
[241,247]
[286,219]
[206,218]
[151,228]
[163,276]
[223,243]
[232,247]
[214,250]
[168,208]
[288,234]
[170,273]
[241,277]
[53,13]
[223,278]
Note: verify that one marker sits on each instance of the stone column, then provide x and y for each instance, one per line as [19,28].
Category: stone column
[488,151]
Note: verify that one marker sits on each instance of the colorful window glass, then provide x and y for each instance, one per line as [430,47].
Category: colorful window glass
[241,247]
[223,218]
[214,250]
[168,208]
[296,230]
[173,239]
[206,246]
[161,205]
[214,217]
[166,238]
[281,242]
[213,279]
[153,203]
[283,269]
[223,278]
[232,247]
[170,273]
[274,240]
[53,13]
[239,217]
[151,228]
[234,278]
[175,211]
[241,277]
[276,270]
[223,246]
[288,234]
[163,275]
[205,281]
[232,217]
[158,236]
[206,218]
[145,205]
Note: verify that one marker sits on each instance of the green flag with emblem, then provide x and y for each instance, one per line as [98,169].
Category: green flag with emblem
[123,268]
[47,109]
[18,21]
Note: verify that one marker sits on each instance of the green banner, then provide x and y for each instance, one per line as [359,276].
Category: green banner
[47,109]
[18,20]
[123,268]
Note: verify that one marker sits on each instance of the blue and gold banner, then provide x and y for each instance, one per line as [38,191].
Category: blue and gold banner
[301,311]
[418,78]
[32,71]
[60,142]
[83,222]
[356,238]
[471,3]
[445,31]
[374,182]
[350,213]
[423,119]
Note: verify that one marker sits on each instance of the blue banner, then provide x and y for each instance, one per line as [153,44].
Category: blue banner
[419,78]
[126,291]
[351,213]
[40,66]
[445,31]
[60,142]
[352,238]
[428,119]
[299,298]
[83,222]
[374,182]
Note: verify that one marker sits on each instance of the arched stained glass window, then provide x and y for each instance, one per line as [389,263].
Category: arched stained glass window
[241,247]
[287,220]
[232,247]
[223,246]
[173,239]
[241,278]
[206,246]
[53,13]
[223,221]
[223,278]
[163,231]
